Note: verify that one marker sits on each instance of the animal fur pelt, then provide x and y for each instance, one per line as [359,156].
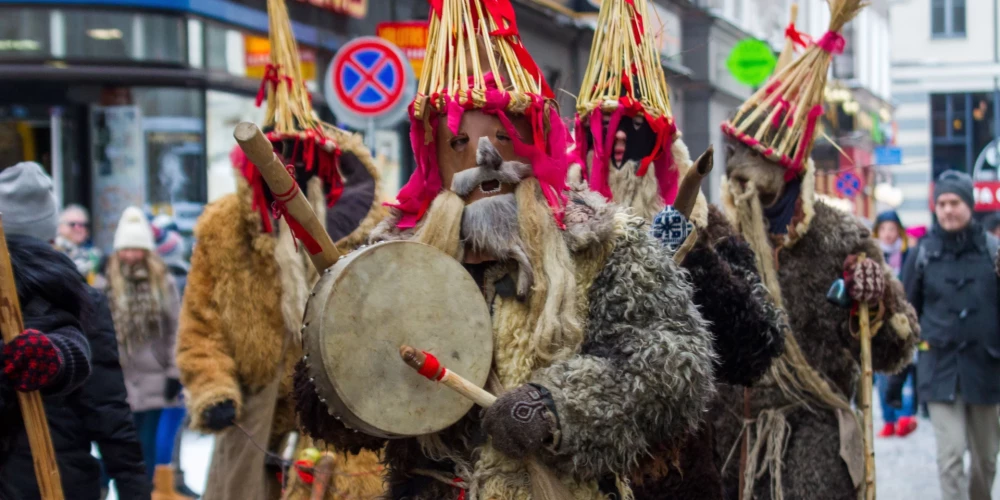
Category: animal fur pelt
[810,465]
[640,329]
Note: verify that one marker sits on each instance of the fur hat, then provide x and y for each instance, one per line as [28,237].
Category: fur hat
[133,231]
[957,183]
[27,201]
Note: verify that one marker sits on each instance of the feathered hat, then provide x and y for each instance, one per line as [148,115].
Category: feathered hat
[292,125]
[779,120]
[475,61]
[625,78]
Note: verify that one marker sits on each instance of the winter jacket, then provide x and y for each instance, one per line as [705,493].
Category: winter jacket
[950,280]
[96,412]
[149,366]
[54,300]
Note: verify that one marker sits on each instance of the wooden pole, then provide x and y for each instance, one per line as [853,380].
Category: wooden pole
[322,477]
[261,153]
[866,395]
[43,455]
[745,446]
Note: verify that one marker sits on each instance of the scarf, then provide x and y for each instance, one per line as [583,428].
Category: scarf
[136,309]
[960,241]
[893,253]
[780,214]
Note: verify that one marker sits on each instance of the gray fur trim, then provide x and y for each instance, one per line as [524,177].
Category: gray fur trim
[589,220]
[490,225]
[644,375]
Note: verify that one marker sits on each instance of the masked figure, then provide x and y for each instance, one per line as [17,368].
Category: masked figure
[805,440]
[593,327]
[637,159]
[246,292]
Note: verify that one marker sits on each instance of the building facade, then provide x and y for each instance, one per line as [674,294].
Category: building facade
[945,71]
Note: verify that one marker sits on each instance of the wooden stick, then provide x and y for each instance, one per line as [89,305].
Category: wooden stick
[43,455]
[260,151]
[322,477]
[866,394]
[545,484]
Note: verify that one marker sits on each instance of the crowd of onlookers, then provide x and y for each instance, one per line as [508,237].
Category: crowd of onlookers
[99,345]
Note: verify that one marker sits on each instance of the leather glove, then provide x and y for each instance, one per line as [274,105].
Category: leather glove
[220,416]
[865,280]
[172,389]
[522,421]
[671,228]
[31,362]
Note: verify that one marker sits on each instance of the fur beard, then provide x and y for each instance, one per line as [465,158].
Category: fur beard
[641,194]
[490,225]
[137,303]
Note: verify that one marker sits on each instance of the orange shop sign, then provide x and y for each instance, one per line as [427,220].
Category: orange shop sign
[258,55]
[410,37]
[354,8]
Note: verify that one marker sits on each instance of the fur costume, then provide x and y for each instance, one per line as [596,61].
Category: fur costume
[825,335]
[639,375]
[246,292]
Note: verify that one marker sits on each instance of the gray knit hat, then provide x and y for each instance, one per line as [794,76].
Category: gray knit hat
[27,202]
[957,183]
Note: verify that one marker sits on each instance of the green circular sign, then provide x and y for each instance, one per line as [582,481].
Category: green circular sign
[751,62]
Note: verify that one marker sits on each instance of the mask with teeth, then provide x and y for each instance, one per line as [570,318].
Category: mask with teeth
[479,161]
[632,141]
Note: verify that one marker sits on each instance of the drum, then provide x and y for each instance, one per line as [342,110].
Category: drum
[377,299]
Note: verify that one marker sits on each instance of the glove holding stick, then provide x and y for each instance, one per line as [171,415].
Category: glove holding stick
[545,485]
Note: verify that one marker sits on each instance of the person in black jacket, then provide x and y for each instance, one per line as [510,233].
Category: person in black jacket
[950,281]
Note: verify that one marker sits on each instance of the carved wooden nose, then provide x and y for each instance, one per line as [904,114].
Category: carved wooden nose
[487,155]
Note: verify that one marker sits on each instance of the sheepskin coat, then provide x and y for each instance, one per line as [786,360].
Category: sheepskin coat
[812,467]
[246,293]
[642,376]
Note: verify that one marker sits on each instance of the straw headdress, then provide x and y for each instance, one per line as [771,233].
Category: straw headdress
[291,123]
[779,120]
[625,78]
[476,61]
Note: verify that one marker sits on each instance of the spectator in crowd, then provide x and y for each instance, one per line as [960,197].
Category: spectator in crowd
[59,317]
[897,413]
[74,241]
[992,224]
[145,305]
[950,281]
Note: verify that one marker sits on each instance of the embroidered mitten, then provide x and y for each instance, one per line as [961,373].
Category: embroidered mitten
[220,416]
[31,361]
[671,228]
[865,280]
[522,421]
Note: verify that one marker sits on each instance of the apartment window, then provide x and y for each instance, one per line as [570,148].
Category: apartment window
[962,126]
[948,18]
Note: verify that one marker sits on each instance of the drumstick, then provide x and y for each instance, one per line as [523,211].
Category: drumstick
[259,150]
[545,484]
[43,455]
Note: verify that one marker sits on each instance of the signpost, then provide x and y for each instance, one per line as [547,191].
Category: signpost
[888,155]
[369,84]
[751,62]
[848,184]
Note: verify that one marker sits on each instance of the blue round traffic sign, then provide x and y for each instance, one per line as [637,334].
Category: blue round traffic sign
[848,184]
[369,79]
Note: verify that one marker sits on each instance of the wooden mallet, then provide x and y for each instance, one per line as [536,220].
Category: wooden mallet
[43,455]
[260,152]
[545,485]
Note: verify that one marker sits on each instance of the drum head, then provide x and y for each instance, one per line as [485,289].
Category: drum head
[372,302]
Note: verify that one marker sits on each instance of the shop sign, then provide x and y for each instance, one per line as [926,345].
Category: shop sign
[410,37]
[751,62]
[888,155]
[258,55]
[354,8]
[987,196]
[20,45]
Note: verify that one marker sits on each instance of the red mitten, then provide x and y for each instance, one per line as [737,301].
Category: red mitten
[30,361]
[865,280]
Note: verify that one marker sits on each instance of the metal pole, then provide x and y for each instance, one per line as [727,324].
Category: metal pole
[370,136]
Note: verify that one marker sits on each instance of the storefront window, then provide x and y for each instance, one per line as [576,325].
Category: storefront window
[125,36]
[24,33]
[225,111]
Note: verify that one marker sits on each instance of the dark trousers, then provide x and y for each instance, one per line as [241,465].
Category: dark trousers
[146,425]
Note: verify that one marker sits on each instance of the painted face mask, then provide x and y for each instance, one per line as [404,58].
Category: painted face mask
[633,140]
[465,174]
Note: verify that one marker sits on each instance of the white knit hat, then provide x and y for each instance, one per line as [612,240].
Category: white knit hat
[133,231]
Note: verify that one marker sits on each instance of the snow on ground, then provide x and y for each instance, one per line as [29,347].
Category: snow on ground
[196,453]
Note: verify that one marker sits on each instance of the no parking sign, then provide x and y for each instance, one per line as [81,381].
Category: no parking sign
[369,84]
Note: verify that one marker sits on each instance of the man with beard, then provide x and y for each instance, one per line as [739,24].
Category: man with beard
[637,158]
[804,438]
[247,288]
[592,326]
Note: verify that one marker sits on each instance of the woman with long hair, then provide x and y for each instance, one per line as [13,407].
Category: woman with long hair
[144,304]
